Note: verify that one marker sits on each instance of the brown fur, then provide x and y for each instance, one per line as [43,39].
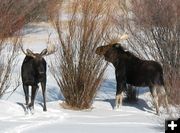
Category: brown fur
[129,69]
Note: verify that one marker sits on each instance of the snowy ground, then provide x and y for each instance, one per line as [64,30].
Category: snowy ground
[100,119]
[136,117]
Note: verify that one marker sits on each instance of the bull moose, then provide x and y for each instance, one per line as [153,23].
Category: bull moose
[134,71]
[33,71]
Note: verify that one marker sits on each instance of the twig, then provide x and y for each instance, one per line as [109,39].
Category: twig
[12,91]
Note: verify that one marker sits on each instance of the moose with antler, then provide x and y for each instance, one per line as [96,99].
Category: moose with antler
[33,71]
[134,71]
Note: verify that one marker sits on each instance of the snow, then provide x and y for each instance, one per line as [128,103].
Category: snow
[136,117]
[56,119]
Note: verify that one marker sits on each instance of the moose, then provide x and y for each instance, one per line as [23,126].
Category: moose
[33,71]
[134,71]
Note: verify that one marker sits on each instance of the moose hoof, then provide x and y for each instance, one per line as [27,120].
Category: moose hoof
[158,113]
[32,110]
[117,107]
[44,109]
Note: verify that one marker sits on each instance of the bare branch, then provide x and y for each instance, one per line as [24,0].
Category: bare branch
[80,68]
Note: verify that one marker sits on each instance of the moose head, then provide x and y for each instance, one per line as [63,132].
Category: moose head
[111,51]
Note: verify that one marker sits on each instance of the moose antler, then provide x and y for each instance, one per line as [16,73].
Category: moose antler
[23,49]
[47,51]
[28,52]
[102,49]
[112,40]
[118,39]
[51,48]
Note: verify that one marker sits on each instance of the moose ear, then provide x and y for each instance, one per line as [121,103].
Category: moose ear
[44,52]
[29,52]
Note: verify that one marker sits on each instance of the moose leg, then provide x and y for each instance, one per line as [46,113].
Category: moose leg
[43,85]
[33,95]
[155,98]
[121,85]
[26,92]
[119,97]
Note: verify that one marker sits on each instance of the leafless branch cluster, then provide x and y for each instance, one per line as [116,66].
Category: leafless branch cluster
[8,62]
[14,14]
[77,69]
[154,28]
